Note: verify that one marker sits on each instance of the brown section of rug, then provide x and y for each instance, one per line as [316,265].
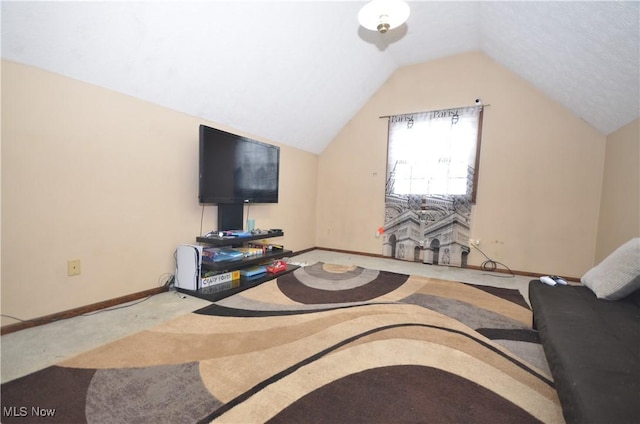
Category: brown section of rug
[403,394]
[53,395]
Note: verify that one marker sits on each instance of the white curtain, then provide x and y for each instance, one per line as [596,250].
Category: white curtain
[431,178]
[433,153]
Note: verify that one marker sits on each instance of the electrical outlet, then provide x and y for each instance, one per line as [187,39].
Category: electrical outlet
[73,267]
[474,242]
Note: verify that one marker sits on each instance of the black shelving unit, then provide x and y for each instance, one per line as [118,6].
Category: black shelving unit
[237,241]
[225,266]
[213,293]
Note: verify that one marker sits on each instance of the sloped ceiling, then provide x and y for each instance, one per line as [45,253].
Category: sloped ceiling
[296,71]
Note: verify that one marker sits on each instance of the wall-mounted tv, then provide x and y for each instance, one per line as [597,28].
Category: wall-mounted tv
[236,169]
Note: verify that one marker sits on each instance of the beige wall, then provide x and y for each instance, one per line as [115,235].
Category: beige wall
[95,175]
[540,168]
[620,205]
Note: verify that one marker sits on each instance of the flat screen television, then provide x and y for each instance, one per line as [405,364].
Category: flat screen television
[236,169]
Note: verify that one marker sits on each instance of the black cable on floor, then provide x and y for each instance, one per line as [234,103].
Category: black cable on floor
[490,265]
[167,284]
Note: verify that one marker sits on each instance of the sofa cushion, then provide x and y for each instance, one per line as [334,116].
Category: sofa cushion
[618,275]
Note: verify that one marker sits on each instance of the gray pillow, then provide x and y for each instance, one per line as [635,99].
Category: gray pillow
[618,275]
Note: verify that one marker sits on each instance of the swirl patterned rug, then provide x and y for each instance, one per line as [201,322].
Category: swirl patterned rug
[324,344]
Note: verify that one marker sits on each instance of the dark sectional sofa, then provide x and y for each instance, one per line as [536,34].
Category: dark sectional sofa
[593,350]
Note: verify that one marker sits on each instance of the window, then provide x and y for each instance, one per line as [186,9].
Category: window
[434,153]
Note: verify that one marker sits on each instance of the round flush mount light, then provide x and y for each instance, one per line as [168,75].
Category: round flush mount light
[383,15]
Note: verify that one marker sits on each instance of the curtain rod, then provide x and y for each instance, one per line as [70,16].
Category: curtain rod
[433,110]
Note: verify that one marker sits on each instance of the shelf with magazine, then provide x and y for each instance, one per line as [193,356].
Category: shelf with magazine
[229,264]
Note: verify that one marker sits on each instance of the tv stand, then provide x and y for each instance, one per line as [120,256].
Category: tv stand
[214,293]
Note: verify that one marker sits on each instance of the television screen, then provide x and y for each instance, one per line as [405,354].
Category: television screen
[236,169]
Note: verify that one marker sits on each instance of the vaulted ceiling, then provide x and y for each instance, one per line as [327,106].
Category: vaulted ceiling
[297,71]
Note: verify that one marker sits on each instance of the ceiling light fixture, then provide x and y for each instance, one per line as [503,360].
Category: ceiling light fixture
[383,15]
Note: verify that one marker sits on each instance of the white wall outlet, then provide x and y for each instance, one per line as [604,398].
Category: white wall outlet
[73,267]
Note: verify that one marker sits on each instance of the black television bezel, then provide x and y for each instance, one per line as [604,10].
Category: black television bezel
[203,168]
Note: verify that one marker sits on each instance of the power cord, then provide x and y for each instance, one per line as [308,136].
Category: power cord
[87,314]
[490,265]
[201,219]
[171,282]
[168,283]
[115,308]
[167,280]
[12,317]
